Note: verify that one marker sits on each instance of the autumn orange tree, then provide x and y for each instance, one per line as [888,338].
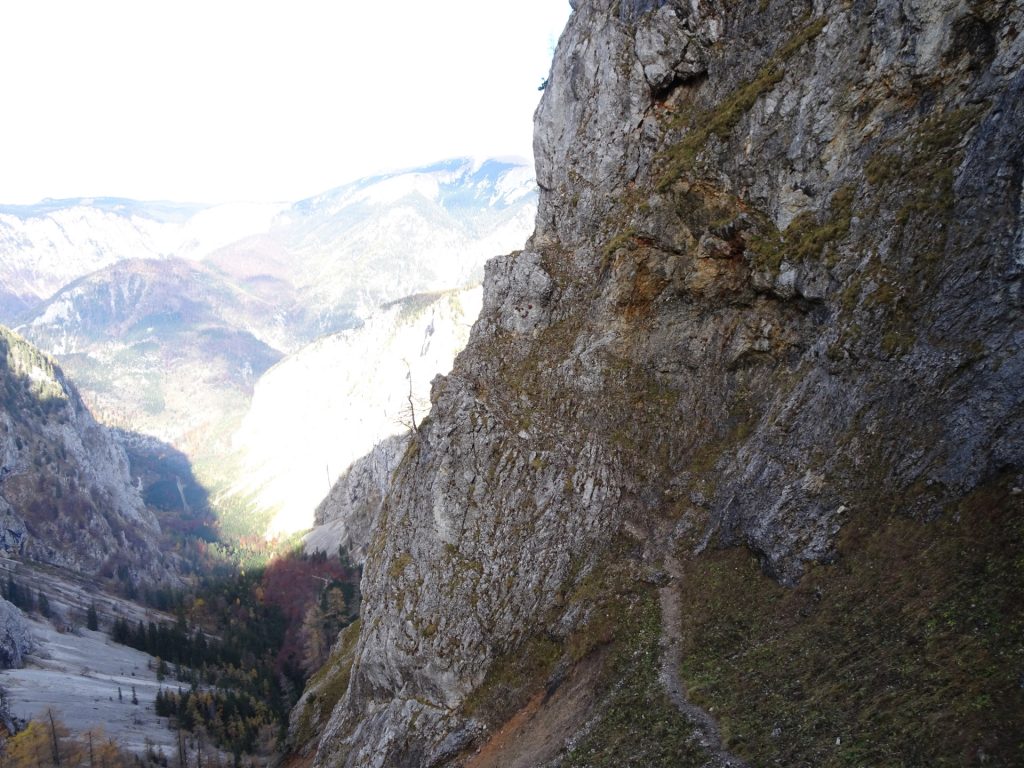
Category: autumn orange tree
[47,743]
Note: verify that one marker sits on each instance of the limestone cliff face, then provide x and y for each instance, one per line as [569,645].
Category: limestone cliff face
[345,519]
[15,636]
[334,400]
[66,493]
[775,284]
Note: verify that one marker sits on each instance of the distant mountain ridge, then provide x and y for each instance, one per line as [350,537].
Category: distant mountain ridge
[157,210]
[323,263]
[384,237]
[166,323]
[131,297]
[45,246]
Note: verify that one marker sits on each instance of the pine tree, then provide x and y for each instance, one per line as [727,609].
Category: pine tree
[315,639]
[55,737]
[92,621]
[164,705]
[121,632]
[139,638]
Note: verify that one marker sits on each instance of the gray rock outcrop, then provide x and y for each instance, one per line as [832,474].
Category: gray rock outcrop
[346,518]
[66,493]
[15,637]
[773,281]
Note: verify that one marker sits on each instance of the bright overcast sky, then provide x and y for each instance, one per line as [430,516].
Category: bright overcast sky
[216,100]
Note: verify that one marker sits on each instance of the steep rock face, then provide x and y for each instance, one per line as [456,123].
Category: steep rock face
[66,495]
[346,518]
[15,638]
[327,406]
[775,286]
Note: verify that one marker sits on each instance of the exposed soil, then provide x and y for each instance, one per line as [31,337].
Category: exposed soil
[543,729]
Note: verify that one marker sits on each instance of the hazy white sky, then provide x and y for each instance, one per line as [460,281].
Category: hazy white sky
[216,100]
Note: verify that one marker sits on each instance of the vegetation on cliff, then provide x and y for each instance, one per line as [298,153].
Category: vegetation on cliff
[761,359]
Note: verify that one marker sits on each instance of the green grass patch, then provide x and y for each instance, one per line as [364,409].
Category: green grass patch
[327,687]
[723,119]
[806,237]
[719,122]
[925,161]
[399,564]
[908,651]
[634,722]
[512,679]
[637,725]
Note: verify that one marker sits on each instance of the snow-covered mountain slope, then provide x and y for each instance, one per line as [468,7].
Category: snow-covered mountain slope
[78,676]
[44,247]
[378,239]
[163,347]
[329,404]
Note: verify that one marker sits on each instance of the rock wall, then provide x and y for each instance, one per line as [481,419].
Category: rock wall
[66,492]
[346,518]
[15,637]
[775,283]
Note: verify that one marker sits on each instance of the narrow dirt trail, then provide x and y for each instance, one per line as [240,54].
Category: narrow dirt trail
[705,728]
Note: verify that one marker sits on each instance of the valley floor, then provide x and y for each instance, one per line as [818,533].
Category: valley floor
[78,675]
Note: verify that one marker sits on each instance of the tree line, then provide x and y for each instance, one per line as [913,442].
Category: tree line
[46,742]
[244,644]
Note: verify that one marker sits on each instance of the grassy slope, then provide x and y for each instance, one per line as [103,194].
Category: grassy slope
[909,650]
[633,722]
